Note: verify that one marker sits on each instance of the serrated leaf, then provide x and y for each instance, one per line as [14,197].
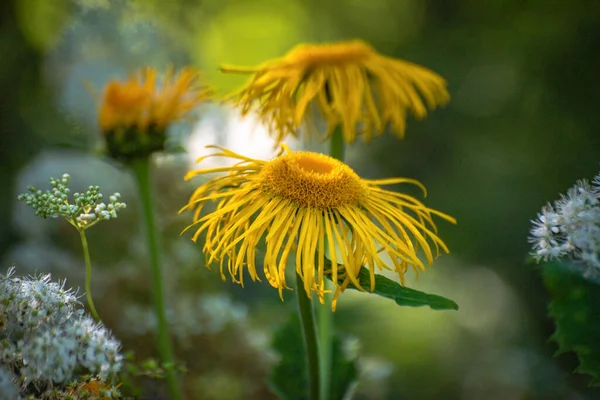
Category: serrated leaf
[575,308]
[403,296]
[289,377]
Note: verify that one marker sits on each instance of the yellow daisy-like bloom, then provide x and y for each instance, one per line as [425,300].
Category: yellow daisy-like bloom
[348,84]
[141,102]
[306,203]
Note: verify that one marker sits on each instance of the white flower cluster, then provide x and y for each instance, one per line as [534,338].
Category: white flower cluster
[571,227]
[85,212]
[45,337]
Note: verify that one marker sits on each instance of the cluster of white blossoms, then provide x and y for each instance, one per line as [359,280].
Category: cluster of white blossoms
[45,336]
[85,212]
[571,227]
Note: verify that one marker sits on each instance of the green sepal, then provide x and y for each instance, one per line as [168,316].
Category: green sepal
[575,308]
[289,377]
[403,296]
[130,144]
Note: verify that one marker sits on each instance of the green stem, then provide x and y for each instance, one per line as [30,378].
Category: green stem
[88,274]
[307,319]
[141,169]
[324,313]
[325,327]
[336,145]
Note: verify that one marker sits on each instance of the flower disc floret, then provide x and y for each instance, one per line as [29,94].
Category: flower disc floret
[312,180]
[315,55]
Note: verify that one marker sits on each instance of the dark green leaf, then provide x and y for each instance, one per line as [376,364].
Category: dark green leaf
[343,371]
[575,307]
[403,296]
[289,377]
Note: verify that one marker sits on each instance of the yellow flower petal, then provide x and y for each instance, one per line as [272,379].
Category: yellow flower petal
[140,102]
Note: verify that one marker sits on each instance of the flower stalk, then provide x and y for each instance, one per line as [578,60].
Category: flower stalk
[88,274]
[85,212]
[307,320]
[141,169]
[324,313]
[336,144]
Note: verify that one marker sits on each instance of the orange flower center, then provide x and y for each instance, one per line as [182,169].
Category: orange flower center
[312,180]
[332,53]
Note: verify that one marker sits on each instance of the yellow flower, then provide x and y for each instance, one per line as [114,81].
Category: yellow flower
[142,103]
[307,204]
[134,114]
[348,84]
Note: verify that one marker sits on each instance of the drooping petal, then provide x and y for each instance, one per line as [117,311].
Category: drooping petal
[349,84]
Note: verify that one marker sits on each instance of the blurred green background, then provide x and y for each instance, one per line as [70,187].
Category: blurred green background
[521,127]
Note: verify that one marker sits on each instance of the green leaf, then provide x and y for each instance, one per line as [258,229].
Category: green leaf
[343,370]
[575,308]
[289,377]
[403,296]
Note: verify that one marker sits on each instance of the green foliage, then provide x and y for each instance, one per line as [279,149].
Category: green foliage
[403,296]
[575,308]
[134,371]
[343,370]
[289,379]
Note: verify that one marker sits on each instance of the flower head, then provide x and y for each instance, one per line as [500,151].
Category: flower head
[45,335]
[134,114]
[348,84]
[309,204]
[85,212]
[571,227]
